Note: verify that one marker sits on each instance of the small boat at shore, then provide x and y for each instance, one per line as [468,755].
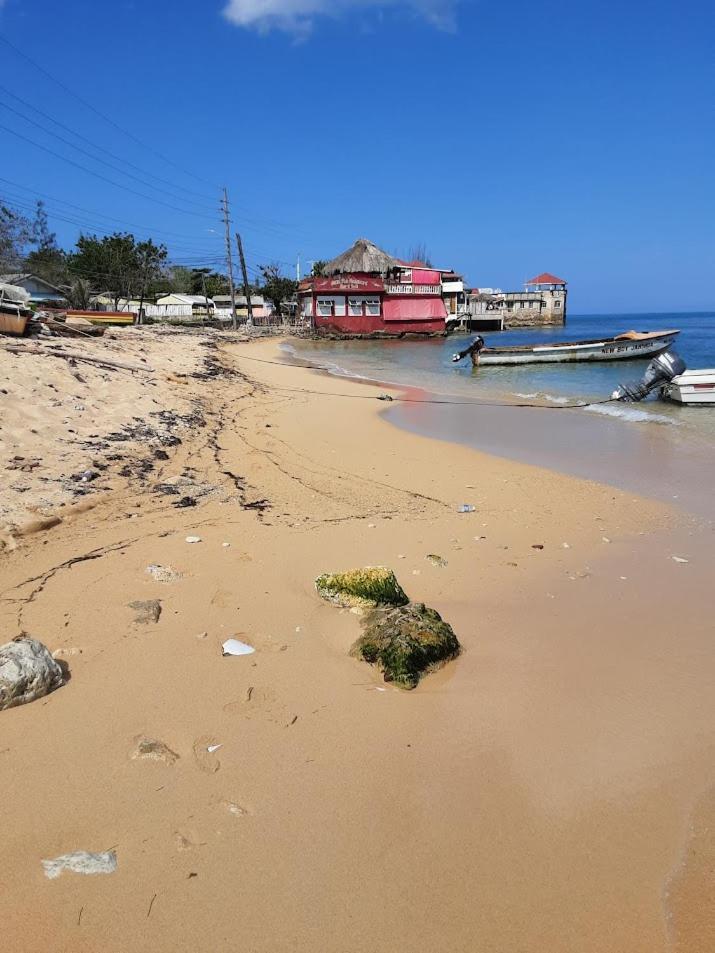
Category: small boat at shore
[14,312]
[628,346]
[691,387]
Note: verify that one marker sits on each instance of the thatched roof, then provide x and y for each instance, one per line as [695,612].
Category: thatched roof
[364,256]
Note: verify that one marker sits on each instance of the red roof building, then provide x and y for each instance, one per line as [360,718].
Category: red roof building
[547,279]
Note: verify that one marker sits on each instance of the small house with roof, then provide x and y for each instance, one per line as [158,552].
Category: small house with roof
[541,303]
[365,292]
[41,292]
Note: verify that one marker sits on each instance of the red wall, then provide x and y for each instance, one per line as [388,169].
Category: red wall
[368,324]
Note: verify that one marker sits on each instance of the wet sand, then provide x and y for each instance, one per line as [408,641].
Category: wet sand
[547,792]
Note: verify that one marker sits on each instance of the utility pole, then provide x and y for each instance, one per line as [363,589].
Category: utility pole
[297,268]
[229,260]
[246,288]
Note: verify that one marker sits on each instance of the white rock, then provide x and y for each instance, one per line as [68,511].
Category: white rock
[678,559]
[81,862]
[193,539]
[27,672]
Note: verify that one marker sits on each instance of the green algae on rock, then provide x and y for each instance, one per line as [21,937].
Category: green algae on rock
[406,642]
[362,588]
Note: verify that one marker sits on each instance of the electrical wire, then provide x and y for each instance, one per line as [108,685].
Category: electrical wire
[102,115]
[73,132]
[98,175]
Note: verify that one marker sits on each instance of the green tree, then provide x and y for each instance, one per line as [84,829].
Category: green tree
[119,263]
[317,269]
[46,259]
[275,287]
[15,233]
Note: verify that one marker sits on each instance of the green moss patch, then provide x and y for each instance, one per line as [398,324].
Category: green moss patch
[406,642]
[362,588]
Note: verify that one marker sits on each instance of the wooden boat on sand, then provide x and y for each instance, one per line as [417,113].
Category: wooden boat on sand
[623,347]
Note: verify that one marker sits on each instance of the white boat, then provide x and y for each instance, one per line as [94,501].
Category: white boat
[692,387]
[628,346]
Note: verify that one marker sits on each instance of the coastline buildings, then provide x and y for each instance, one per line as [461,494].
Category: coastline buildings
[366,292]
[541,303]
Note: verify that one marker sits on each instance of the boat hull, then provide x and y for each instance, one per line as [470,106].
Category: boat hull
[606,350]
[692,387]
[13,323]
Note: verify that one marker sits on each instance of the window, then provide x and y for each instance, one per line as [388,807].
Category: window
[557,304]
[355,307]
[372,306]
[326,307]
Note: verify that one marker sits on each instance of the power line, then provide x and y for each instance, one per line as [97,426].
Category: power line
[98,112]
[109,218]
[79,135]
[98,175]
[109,165]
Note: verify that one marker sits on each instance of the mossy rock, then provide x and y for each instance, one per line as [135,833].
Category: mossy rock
[362,588]
[406,642]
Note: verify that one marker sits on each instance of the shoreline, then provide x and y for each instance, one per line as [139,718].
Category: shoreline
[585,444]
[535,793]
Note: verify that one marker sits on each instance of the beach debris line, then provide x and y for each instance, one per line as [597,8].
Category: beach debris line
[27,672]
[404,639]
[361,588]
[81,862]
[236,647]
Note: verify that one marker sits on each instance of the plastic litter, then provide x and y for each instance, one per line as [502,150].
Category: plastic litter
[678,559]
[193,539]
[81,862]
[212,748]
[466,508]
[234,647]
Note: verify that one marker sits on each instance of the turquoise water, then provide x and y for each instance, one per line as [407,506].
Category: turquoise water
[428,364]
[655,447]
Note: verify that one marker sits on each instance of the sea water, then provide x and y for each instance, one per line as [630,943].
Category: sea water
[664,448]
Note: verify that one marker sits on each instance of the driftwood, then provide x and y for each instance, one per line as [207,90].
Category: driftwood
[77,356]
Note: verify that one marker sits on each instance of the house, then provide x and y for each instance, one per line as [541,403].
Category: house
[261,308]
[40,291]
[541,303]
[177,305]
[367,292]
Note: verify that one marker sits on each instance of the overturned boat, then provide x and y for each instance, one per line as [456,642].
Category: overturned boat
[628,346]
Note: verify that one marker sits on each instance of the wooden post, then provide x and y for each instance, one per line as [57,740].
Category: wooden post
[246,287]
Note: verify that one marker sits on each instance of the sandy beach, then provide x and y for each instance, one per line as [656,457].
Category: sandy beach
[550,791]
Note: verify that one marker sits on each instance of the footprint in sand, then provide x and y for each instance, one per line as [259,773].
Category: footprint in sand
[186,839]
[234,808]
[206,760]
[255,698]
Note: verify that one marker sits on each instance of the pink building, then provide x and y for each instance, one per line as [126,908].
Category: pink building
[366,292]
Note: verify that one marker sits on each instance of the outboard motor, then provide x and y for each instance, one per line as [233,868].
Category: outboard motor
[473,350]
[661,370]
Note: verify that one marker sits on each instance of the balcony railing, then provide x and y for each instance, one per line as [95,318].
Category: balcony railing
[394,289]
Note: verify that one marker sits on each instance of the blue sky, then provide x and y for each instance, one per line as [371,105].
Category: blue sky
[510,137]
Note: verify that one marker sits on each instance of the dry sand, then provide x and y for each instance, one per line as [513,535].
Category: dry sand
[551,791]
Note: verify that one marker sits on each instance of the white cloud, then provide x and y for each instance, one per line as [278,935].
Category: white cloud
[298,16]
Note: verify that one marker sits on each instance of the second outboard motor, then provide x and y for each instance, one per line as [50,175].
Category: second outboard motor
[661,370]
[473,350]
